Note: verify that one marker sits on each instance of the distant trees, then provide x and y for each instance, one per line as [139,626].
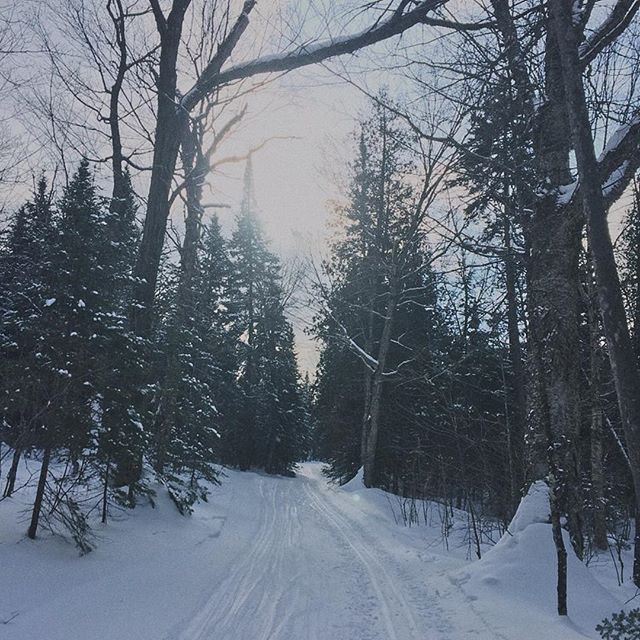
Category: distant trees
[272,412]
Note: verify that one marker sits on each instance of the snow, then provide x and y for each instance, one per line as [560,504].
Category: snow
[566,192]
[277,558]
[615,177]
[533,509]
[618,136]
[522,567]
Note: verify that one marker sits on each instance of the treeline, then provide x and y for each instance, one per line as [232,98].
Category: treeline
[427,377]
[216,382]
[414,381]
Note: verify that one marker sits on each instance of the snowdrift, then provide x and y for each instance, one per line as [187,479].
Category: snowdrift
[521,570]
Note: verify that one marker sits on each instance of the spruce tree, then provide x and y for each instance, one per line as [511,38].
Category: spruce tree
[196,368]
[25,296]
[219,332]
[269,431]
[629,256]
[122,438]
[377,225]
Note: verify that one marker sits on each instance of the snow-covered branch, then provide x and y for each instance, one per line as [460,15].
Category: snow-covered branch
[308,54]
[618,163]
[616,22]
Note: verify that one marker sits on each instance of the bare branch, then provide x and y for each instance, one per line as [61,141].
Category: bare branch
[618,20]
[307,54]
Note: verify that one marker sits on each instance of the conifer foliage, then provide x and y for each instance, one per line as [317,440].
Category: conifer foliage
[396,342]
[110,415]
[272,435]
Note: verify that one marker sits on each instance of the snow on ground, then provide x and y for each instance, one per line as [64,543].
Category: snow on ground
[271,558]
[522,568]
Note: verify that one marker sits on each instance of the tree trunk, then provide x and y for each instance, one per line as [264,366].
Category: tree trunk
[621,354]
[635,301]
[597,467]
[561,552]
[42,483]
[519,400]
[636,549]
[105,492]
[377,386]
[168,133]
[117,158]
[13,472]
[193,169]
[367,380]
[554,238]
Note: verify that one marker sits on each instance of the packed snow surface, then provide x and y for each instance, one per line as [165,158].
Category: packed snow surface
[271,558]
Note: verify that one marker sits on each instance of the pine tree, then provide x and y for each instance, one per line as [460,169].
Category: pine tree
[378,310]
[83,349]
[79,307]
[219,331]
[25,281]
[196,366]
[629,255]
[57,341]
[270,421]
[122,438]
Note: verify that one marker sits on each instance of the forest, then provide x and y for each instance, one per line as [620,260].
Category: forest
[473,303]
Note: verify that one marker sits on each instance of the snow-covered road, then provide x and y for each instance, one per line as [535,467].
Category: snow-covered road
[311,571]
[272,558]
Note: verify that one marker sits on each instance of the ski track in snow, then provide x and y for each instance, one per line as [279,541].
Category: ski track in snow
[275,590]
[249,602]
[399,621]
[273,558]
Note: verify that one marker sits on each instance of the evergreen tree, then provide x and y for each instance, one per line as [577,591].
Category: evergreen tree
[196,368]
[629,256]
[219,331]
[270,422]
[120,361]
[380,304]
[25,298]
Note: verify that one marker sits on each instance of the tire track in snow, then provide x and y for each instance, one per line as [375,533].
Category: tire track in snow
[279,614]
[385,589]
[219,613]
[434,605]
[259,600]
[267,594]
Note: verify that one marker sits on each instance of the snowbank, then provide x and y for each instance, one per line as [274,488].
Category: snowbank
[292,559]
[356,483]
[521,571]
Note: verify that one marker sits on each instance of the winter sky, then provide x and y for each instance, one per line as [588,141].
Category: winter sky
[308,120]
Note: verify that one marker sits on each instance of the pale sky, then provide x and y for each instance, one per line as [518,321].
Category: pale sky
[296,179]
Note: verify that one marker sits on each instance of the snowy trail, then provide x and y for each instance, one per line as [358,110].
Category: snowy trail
[399,620]
[309,573]
[273,558]
[258,598]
